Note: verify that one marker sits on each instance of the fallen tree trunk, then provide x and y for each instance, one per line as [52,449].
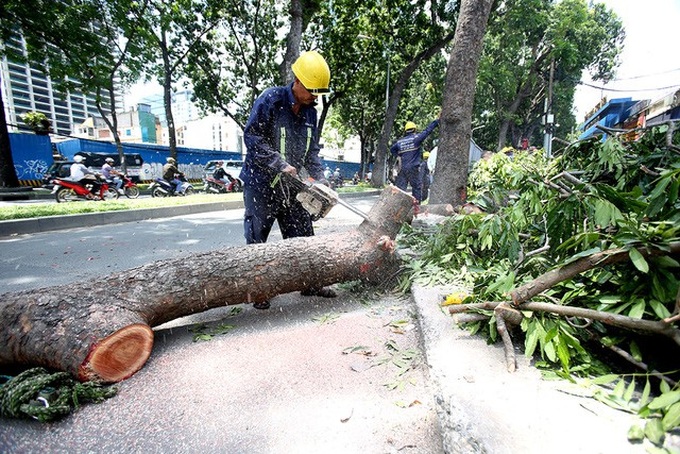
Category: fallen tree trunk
[101,330]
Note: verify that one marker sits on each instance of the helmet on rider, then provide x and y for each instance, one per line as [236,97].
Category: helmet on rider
[410,126]
[312,71]
[109,160]
[78,158]
[170,160]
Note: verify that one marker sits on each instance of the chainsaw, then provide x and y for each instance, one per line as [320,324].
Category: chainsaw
[318,199]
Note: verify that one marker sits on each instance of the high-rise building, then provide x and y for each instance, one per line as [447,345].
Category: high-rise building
[183,108]
[27,89]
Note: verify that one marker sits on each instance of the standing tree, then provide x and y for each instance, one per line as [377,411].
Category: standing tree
[523,40]
[171,31]
[300,11]
[59,41]
[375,41]
[455,129]
[240,63]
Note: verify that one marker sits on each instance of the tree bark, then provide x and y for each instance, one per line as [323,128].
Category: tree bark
[451,170]
[292,42]
[101,330]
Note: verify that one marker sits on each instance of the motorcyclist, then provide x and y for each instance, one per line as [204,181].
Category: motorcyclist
[84,176]
[221,174]
[172,175]
[111,175]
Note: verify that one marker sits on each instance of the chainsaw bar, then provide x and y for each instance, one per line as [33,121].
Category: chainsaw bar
[318,199]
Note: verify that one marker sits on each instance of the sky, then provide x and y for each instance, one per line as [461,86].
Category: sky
[650,62]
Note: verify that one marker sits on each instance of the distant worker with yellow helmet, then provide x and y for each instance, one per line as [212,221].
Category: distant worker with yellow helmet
[409,152]
[281,138]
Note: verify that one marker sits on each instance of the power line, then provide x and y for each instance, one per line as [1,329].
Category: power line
[646,75]
[624,90]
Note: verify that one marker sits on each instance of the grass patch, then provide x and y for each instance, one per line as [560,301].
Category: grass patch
[51,208]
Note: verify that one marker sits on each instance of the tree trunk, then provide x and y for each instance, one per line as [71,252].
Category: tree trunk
[101,329]
[292,42]
[451,170]
[382,152]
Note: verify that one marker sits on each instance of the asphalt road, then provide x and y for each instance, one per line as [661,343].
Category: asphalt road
[58,257]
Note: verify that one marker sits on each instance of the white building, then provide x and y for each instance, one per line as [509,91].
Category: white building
[212,132]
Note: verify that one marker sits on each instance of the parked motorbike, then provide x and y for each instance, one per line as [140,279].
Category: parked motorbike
[69,191]
[217,186]
[162,188]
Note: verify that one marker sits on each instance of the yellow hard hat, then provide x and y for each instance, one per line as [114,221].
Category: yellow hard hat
[410,125]
[312,71]
[426,154]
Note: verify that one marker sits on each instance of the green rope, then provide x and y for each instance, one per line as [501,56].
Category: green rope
[39,394]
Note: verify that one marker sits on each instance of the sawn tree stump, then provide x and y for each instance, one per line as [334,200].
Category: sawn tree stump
[101,329]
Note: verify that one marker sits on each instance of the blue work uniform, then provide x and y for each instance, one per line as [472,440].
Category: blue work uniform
[275,137]
[409,149]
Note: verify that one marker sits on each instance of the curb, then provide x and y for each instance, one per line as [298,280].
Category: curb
[50,223]
[483,408]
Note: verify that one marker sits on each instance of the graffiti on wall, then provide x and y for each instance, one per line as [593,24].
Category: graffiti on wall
[31,169]
[153,170]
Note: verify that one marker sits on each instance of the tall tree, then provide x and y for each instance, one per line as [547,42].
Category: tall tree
[300,12]
[171,31]
[459,92]
[59,41]
[241,62]
[379,40]
[524,39]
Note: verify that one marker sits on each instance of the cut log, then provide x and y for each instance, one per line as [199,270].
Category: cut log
[101,330]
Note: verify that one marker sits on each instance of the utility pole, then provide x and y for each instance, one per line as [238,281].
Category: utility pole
[549,118]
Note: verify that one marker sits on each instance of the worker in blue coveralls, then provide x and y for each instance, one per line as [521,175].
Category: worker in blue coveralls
[281,137]
[409,152]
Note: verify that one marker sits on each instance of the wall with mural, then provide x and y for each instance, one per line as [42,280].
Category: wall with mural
[32,156]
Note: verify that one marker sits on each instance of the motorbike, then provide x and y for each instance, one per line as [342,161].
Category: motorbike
[217,186]
[162,188]
[68,191]
[129,187]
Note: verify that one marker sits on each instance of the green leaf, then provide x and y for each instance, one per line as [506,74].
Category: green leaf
[665,400]
[549,350]
[619,388]
[664,387]
[654,431]
[628,395]
[636,433]
[659,309]
[645,393]
[638,309]
[604,379]
[635,351]
[531,341]
[638,260]
[672,418]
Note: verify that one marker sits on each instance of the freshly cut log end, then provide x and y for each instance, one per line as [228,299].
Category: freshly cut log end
[119,355]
